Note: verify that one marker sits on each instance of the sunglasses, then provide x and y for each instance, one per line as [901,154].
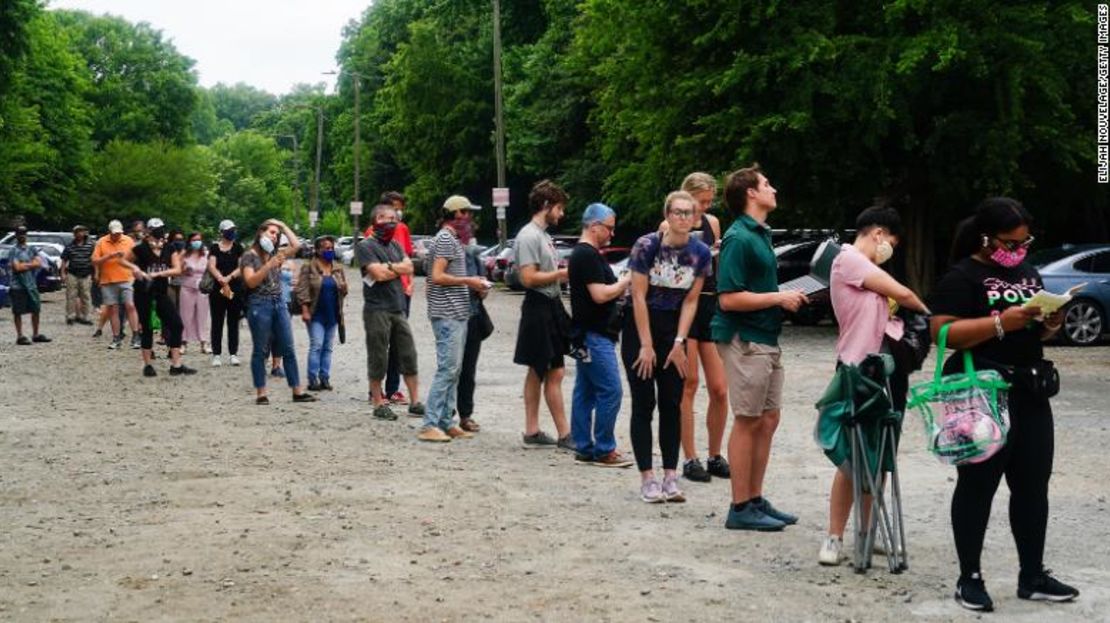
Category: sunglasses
[1014,245]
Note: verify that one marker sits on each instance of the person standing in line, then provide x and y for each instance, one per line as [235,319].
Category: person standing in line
[982,297]
[746,329]
[383,302]
[404,238]
[449,312]
[668,271]
[193,304]
[594,290]
[267,315]
[700,347]
[77,270]
[321,290]
[860,292]
[155,262]
[24,291]
[475,334]
[178,243]
[543,335]
[225,303]
[117,281]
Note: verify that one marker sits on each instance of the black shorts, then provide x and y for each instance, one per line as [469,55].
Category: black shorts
[707,308]
[22,303]
[543,336]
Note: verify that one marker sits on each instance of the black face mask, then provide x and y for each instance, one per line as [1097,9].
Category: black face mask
[158,232]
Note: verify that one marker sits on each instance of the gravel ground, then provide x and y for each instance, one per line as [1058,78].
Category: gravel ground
[132,499]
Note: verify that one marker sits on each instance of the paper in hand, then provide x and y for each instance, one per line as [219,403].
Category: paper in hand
[1049,302]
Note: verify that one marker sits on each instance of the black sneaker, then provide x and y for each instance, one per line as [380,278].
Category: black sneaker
[182,369]
[98,333]
[971,593]
[148,370]
[566,443]
[1043,587]
[41,339]
[693,470]
[717,466]
[314,385]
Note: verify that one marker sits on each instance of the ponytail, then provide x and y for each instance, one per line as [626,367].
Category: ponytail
[993,216]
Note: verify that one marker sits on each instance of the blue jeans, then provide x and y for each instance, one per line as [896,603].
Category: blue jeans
[321,339]
[597,398]
[268,320]
[450,341]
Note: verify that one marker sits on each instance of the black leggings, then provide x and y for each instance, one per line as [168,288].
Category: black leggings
[664,328]
[167,313]
[1026,461]
[473,348]
[220,307]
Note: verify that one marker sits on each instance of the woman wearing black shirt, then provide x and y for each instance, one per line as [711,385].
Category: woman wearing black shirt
[981,297]
[157,261]
[226,301]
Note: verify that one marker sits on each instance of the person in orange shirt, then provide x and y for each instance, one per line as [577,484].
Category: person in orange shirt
[116,281]
[403,237]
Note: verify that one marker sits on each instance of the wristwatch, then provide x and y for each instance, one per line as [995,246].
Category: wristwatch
[389,265]
[680,340]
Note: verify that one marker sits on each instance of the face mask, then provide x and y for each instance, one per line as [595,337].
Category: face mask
[399,215]
[1009,259]
[383,232]
[178,245]
[196,245]
[464,228]
[266,244]
[883,252]
[229,235]
[328,255]
[158,232]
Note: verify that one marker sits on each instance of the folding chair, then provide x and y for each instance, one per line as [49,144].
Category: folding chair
[859,429]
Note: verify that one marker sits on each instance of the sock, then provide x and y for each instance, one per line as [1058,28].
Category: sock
[757,500]
[741,506]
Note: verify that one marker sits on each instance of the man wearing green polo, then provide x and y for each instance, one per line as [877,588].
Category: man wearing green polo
[746,329]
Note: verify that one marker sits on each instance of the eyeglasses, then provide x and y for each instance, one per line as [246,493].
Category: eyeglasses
[1014,245]
[611,228]
[683,213]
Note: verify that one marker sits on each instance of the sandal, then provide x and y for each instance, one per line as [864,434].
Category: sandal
[262,400]
[469,425]
[304,398]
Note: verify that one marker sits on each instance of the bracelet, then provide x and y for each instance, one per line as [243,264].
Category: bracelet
[680,340]
[998,330]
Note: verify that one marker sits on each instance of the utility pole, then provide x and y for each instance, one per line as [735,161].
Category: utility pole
[354,216]
[499,119]
[296,172]
[319,151]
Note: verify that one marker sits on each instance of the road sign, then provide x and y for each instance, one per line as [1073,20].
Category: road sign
[356,208]
[500,213]
[500,197]
[313,216]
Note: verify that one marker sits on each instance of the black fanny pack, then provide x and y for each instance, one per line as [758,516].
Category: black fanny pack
[1040,379]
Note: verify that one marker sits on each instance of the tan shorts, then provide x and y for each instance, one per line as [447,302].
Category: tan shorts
[755,377]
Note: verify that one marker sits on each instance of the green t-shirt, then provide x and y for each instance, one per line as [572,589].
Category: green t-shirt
[747,264]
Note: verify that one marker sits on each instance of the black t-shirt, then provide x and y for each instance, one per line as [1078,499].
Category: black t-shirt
[586,266]
[387,296]
[228,261]
[151,262]
[704,232]
[972,289]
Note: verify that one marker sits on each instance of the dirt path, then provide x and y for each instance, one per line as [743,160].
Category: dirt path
[124,498]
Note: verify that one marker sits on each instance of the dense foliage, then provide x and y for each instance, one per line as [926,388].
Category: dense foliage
[928,105]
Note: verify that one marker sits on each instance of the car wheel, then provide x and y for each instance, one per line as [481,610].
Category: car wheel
[1084,323]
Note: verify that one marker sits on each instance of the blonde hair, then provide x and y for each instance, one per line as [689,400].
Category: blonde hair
[698,181]
[678,195]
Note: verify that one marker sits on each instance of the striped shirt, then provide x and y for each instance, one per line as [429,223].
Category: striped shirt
[78,258]
[451,302]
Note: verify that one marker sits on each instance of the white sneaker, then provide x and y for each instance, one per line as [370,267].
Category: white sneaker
[832,552]
[234,360]
[216,361]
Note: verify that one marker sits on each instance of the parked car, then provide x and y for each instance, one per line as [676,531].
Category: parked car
[48,279]
[345,249]
[499,263]
[1062,268]
[61,238]
[563,246]
[421,246]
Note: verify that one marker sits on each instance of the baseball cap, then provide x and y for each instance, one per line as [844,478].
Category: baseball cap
[458,203]
[77,228]
[115,227]
[227,224]
[596,212]
[155,223]
[21,230]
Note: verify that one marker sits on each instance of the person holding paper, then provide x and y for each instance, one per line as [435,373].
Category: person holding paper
[983,298]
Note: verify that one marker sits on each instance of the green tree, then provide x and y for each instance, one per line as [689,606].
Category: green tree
[143,89]
[254,182]
[240,103]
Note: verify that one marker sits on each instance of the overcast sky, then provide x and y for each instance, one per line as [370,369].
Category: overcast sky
[269,44]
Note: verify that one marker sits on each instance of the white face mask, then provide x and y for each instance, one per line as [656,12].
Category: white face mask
[267,244]
[883,252]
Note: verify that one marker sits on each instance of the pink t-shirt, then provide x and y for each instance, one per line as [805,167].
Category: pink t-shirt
[864,316]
